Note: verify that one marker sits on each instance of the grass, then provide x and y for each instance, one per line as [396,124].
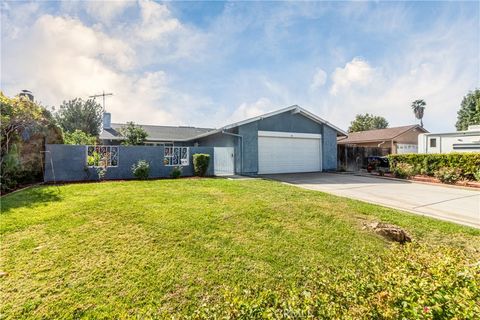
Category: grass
[169,247]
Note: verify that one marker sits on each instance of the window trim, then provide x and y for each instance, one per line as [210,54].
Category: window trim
[434,144]
[109,147]
[182,163]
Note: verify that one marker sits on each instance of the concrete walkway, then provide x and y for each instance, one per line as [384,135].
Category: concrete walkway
[452,204]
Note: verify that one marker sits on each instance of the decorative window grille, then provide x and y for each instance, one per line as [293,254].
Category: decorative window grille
[102,156]
[176,156]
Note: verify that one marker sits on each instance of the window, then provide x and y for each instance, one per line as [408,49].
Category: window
[176,156]
[102,156]
[433,142]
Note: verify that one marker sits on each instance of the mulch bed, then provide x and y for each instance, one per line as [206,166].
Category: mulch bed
[420,178]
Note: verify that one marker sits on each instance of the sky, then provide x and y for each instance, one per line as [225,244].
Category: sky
[209,64]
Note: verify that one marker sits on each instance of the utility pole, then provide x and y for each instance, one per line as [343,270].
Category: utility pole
[103,95]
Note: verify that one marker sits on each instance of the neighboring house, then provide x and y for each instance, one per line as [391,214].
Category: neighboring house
[398,139]
[459,141]
[284,141]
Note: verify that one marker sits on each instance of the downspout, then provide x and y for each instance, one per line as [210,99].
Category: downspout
[241,147]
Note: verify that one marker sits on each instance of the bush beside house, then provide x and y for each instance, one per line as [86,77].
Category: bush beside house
[141,170]
[465,165]
[200,164]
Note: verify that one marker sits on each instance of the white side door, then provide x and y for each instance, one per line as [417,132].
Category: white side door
[223,161]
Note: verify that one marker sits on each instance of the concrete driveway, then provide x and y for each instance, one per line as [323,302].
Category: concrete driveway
[446,203]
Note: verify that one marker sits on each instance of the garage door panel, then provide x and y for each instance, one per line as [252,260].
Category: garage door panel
[288,154]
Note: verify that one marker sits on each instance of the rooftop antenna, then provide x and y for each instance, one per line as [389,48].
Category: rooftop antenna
[103,95]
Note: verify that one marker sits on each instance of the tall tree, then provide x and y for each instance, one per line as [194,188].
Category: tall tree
[418,107]
[469,112]
[78,114]
[367,121]
[133,134]
[24,127]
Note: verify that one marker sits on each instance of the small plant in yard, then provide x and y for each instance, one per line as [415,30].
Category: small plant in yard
[200,164]
[141,170]
[403,170]
[176,172]
[448,175]
[101,172]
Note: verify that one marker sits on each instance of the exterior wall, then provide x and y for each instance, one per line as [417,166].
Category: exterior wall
[249,156]
[409,137]
[224,140]
[329,149]
[69,162]
[286,122]
[445,142]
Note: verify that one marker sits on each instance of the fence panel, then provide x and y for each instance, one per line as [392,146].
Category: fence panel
[69,162]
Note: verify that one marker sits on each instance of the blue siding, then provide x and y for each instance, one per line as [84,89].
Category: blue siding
[287,122]
[329,147]
[69,162]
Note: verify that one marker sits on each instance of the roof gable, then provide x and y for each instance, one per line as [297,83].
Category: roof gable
[379,134]
[294,109]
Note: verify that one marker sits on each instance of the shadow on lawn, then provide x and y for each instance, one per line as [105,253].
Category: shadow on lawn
[29,198]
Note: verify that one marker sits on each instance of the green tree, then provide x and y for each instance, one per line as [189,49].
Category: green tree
[418,107]
[367,121]
[78,137]
[133,134]
[469,112]
[78,114]
[24,126]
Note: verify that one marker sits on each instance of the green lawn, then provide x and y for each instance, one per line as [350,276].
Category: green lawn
[217,247]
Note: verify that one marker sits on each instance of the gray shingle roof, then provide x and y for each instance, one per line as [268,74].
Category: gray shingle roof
[156,133]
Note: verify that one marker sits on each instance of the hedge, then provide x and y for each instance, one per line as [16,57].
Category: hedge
[200,163]
[468,163]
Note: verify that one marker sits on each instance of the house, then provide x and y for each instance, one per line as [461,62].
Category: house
[288,140]
[460,141]
[398,139]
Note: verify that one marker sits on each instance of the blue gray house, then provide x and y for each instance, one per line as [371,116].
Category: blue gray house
[288,140]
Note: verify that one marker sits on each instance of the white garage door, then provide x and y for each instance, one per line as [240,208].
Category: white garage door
[288,152]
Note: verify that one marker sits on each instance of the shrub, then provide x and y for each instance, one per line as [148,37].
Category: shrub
[78,137]
[448,175]
[412,281]
[176,172]
[141,170]
[403,170]
[468,162]
[200,163]
[101,172]
[476,175]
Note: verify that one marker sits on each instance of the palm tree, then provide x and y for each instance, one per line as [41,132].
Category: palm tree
[418,107]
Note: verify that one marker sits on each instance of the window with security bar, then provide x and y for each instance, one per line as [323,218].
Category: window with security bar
[176,156]
[102,156]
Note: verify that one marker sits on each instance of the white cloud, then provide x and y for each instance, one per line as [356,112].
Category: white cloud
[105,11]
[60,58]
[156,21]
[355,73]
[319,79]
[250,110]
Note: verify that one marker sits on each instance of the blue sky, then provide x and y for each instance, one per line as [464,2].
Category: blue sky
[211,63]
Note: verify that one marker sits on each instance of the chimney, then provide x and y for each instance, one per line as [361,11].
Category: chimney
[107,120]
